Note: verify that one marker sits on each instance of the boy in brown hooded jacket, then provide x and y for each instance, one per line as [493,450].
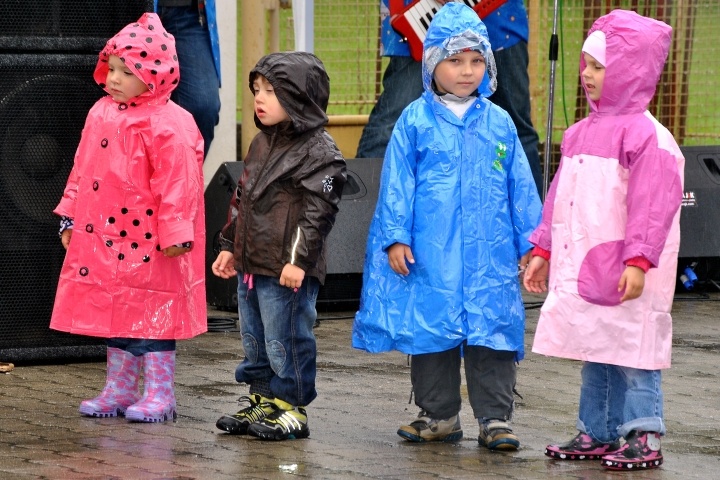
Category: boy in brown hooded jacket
[287,199]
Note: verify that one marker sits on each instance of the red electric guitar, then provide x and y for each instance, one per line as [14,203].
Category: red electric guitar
[413,21]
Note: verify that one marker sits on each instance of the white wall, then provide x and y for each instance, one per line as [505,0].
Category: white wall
[223,148]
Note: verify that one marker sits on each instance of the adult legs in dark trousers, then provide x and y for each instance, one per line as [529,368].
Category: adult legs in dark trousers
[513,96]
[402,83]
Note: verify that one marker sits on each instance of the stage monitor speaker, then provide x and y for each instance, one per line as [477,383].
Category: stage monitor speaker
[700,211]
[48,52]
[220,293]
[346,242]
[348,238]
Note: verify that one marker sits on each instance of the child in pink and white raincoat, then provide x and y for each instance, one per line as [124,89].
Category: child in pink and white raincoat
[609,238]
[133,225]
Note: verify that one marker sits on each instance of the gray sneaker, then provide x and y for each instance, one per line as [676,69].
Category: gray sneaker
[426,429]
[497,435]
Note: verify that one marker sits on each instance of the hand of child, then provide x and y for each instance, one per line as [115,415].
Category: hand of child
[65,237]
[632,282]
[397,253]
[536,274]
[291,276]
[174,251]
[224,265]
[523,263]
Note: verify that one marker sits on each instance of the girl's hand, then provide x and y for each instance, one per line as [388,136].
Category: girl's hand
[65,237]
[174,251]
[292,276]
[536,274]
[632,282]
[398,253]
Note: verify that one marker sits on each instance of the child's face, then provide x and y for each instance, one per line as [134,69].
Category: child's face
[267,106]
[121,82]
[460,74]
[593,76]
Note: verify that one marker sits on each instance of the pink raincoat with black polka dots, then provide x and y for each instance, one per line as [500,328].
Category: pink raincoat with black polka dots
[136,187]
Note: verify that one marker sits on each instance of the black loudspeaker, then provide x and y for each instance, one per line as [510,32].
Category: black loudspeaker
[65,25]
[346,242]
[221,293]
[348,238]
[48,52]
[700,211]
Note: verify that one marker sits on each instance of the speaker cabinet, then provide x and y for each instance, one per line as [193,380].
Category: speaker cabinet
[700,211]
[48,52]
[345,244]
[348,238]
[65,25]
[221,293]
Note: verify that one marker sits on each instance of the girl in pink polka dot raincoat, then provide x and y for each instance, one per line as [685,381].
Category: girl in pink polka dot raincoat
[133,225]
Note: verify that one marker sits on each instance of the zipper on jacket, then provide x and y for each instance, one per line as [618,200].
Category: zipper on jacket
[246,200]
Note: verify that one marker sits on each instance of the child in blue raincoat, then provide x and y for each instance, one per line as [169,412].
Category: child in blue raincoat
[456,207]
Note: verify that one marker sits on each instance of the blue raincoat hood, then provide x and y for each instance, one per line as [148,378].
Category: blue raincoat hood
[457,28]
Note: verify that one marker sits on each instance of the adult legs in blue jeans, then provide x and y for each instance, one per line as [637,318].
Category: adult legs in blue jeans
[615,400]
[199,89]
[276,324]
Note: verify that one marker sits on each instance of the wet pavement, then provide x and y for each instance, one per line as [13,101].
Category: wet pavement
[362,400]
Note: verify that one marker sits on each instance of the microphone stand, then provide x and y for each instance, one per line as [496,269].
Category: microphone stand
[553,56]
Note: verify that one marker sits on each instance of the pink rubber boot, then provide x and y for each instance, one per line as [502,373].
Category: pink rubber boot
[158,403]
[121,386]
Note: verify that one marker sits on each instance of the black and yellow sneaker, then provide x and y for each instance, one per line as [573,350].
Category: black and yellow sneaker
[237,424]
[286,422]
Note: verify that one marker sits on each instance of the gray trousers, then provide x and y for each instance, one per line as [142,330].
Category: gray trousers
[490,376]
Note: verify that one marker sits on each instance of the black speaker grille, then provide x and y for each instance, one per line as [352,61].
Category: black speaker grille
[44,99]
[65,24]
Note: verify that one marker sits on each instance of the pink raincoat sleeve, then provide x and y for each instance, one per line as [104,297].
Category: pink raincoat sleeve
[653,198]
[66,207]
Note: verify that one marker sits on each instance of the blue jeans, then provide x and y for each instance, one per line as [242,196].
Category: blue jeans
[402,83]
[141,346]
[615,400]
[276,324]
[199,89]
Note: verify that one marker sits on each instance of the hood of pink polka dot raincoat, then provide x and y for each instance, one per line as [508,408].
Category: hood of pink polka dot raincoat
[149,52]
[136,188]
